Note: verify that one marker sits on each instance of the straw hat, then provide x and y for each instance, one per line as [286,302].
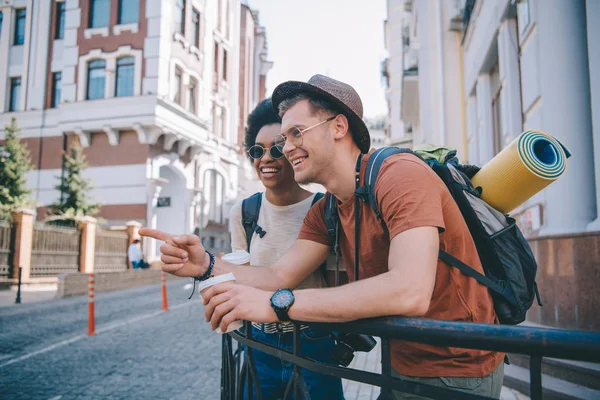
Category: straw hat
[339,93]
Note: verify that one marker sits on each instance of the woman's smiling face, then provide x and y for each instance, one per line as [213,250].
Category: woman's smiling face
[272,172]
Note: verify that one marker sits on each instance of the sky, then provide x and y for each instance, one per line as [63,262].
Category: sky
[343,39]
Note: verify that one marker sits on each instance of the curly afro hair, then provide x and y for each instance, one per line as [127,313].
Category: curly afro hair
[262,115]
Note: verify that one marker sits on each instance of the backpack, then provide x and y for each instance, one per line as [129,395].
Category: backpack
[508,262]
[251,211]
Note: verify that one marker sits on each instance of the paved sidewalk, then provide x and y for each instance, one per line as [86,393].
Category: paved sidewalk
[29,294]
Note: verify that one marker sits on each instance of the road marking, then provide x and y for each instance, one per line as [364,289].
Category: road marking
[79,337]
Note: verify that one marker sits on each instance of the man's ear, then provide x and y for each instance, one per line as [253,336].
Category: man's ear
[340,127]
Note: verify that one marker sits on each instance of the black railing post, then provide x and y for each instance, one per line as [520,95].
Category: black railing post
[247,360]
[386,369]
[535,373]
[297,352]
[18,299]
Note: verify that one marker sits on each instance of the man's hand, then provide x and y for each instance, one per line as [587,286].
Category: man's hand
[182,255]
[228,302]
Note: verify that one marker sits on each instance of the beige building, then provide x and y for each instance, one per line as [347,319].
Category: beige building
[149,88]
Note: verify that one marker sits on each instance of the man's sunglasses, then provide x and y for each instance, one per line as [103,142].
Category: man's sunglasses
[257,152]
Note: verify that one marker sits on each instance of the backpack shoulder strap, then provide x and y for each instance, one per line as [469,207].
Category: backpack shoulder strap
[331,220]
[372,172]
[318,196]
[250,212]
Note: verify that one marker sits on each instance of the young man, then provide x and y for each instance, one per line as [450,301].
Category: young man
[400,273]
[135,255]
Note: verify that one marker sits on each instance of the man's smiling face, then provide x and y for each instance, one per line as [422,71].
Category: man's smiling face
[312,158]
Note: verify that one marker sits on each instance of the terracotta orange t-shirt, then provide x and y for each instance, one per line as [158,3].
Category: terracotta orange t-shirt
[411,195]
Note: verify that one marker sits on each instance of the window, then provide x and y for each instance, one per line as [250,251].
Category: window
[212,242]
[20,16]
[96,79]
[99,13]
[180,16]
[178,81]
[224,64]
[128,11]
[216,57]
[192,94]
[196,22]
[60,21]
[1,18]
[56,86]
[125,76]
[15,94]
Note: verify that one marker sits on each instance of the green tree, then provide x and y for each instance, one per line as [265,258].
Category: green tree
[15,162]
[74,202]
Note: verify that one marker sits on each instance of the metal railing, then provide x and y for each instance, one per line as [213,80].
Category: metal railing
[111,251]
[55,250]
[237,374]
[6,249]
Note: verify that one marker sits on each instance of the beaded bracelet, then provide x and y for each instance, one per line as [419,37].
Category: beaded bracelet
[206,275]
[208,272]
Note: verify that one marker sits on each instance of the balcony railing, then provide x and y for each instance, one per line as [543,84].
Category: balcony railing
[240,372]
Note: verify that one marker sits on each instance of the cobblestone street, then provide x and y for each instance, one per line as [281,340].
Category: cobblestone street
[139,351]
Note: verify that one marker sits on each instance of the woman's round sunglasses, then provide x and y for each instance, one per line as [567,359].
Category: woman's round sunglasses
[257,152]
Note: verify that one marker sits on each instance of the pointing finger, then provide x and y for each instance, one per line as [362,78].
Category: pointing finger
[155,233]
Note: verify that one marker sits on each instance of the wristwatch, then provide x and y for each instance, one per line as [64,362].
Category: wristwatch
[281,301]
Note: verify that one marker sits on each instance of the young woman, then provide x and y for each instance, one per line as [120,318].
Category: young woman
[283,207]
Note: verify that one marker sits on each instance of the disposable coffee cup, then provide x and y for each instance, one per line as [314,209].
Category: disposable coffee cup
[215,281]
[239,257]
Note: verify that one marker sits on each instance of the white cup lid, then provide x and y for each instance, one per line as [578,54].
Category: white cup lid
[215,280]
[238,257]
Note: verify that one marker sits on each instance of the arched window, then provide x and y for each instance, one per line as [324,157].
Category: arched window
[96,79]
[125,76]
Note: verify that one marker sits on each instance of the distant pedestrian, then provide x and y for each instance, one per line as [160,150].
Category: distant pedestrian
[135,255]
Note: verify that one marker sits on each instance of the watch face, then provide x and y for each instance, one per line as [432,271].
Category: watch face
[283,298]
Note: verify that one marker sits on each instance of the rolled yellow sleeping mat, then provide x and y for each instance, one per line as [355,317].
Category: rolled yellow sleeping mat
[527,165]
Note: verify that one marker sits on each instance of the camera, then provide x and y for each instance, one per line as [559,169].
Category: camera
[347,344]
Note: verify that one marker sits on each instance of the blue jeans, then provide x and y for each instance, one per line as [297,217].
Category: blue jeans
[274,373]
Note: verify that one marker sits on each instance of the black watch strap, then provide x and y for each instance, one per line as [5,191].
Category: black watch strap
[282,314]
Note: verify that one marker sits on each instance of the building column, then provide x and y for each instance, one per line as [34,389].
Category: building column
[149,245]
[484,123]
[23,222]
[5,36]
[38,61]
[593,33]
[88,245]
[512,121]
[565,111]
[70,53]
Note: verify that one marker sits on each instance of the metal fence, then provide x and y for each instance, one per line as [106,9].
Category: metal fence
[111,251]
[55,250]
[7,236]
[239,373]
